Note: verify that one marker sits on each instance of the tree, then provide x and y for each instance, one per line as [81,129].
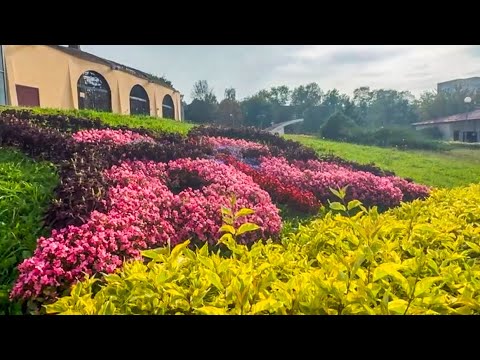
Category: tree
[257,110]
[201,112]
[201,91]
[279,95]
[306,96]
[229,111]
[230,94]
[433,105]
[203,108]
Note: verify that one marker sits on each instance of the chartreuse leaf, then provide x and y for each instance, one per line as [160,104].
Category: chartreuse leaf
[247,227]
[397,307]
[244,212]
[353,204]
[423,286]
[337,206]
[391,269]
[227,229]
[210,310]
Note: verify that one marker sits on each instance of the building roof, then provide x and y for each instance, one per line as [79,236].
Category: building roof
[472,115]
[114,65]
[457,80]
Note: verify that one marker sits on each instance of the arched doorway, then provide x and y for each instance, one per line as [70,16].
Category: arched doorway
[168,110]
[93,92]
[139,103]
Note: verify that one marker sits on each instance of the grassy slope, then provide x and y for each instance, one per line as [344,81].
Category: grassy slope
[26,188]
[153,123]
[451,168]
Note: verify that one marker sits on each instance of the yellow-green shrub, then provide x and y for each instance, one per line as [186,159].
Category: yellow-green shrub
[420,258]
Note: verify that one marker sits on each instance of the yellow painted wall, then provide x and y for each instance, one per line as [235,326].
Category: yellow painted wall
[56,73]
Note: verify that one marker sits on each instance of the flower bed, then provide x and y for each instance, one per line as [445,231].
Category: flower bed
[149,204]
[119,137]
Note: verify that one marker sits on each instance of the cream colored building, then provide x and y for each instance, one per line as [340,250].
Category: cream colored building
[66,77]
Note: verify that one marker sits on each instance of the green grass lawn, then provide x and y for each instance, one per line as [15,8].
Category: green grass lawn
[148,122]
[456,167]
[26,188]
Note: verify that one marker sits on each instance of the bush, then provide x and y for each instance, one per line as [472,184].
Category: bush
[337,127]
[417,259]
[26,188]
[319,177]
[399,137]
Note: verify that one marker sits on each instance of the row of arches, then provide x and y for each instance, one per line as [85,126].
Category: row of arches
[94,93]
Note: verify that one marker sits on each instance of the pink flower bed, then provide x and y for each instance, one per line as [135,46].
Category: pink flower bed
[119,137]
[235,147]
[318,177]
[143,212]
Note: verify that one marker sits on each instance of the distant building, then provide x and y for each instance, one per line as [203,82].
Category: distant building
[68,78]
[471,84]
[459,127]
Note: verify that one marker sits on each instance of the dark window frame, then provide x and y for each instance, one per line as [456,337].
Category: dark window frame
[170,113]
[94,97]
[139,101]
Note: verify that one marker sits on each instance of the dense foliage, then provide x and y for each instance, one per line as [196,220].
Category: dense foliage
[419,258]
[26,187]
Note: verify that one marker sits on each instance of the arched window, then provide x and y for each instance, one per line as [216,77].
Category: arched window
[94,92]
[168,110]
[139,103]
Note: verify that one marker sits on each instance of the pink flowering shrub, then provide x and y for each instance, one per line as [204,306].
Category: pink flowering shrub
[318,177]
[119,137]
[410,190]
[236,147]
[143,212]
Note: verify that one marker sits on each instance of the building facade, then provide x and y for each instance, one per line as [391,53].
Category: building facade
[472,85]
[55,76]
[459,127]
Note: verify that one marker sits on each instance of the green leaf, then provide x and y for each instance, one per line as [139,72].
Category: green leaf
[264,305]
[247,227]
[337,206]
[337,193]
[228,229]
[226,211]
[473,246]
[424,285]
[397,306]
[211,310]
[177,250]
[244,212]
[391,269]
[353,204]
[214,279]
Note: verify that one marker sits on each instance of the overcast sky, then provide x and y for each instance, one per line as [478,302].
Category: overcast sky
[250,68]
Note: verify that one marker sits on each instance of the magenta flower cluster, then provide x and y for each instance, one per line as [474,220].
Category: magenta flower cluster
[143,212]
[235,146]
[118,137]
[318,177]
